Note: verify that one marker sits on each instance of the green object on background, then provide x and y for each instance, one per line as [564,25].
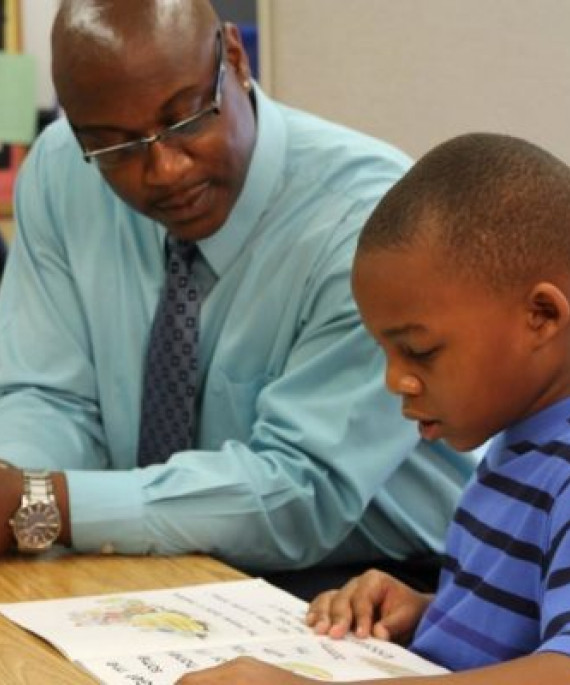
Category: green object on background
[17,98]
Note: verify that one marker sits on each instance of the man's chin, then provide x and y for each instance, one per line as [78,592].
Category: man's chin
[191,230]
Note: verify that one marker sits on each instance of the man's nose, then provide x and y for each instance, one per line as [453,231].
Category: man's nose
[166,164]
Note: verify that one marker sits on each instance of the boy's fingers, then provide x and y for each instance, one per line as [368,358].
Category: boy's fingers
[318,615]
[396,626]
[330,613]
[341,613]
[319,607]
[364,608]
[381,632]
[355,605]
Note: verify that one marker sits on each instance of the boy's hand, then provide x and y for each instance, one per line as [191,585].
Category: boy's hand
[374,603]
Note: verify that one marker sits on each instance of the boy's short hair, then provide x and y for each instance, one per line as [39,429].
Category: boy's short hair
[496,207]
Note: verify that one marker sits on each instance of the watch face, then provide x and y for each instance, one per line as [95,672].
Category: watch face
[36,526]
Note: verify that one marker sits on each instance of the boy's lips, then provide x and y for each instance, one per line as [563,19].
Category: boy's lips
[430,429]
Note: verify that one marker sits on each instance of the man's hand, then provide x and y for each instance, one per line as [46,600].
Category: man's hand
[374,603]
[244,671]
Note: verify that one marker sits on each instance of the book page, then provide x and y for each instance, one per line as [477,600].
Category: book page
[314,657]
[160,620]
[153,637]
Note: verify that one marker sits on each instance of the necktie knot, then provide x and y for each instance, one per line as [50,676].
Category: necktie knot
[185,249]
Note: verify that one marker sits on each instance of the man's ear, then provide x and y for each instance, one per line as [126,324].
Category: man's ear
[236,54]
[548,311]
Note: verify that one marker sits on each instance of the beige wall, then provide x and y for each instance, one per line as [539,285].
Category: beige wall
[418,71]
[37,18]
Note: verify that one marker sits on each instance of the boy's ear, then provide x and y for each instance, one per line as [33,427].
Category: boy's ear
[548,311]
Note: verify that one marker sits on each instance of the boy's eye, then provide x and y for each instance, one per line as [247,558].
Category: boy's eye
[420,355]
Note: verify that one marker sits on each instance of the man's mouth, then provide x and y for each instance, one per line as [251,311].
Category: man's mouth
[186,202]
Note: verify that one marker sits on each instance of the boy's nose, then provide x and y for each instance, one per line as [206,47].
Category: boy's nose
[402,383]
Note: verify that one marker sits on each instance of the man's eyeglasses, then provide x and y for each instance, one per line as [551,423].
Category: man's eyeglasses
[178,133]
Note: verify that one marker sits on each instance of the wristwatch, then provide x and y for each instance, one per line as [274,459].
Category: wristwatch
[37,523]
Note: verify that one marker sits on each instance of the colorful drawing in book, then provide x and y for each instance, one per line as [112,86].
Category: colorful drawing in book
[138,614]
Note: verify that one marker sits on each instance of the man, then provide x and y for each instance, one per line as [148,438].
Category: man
[281,469]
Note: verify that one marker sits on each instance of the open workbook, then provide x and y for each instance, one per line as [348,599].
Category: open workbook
[153,637]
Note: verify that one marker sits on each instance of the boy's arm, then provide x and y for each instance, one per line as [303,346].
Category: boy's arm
[546,667]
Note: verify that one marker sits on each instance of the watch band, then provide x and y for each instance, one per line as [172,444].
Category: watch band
[38,487]
[37,523]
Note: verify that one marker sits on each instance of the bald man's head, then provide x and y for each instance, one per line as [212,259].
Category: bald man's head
[105,29]
[108,23]
[125,70]
[91,36]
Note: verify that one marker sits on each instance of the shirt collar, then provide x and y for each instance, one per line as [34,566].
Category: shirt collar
[538,429]
[266,167]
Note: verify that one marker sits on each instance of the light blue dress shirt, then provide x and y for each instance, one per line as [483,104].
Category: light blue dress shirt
[302,455]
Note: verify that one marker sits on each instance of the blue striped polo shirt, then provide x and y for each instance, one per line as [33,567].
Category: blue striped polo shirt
[504,590]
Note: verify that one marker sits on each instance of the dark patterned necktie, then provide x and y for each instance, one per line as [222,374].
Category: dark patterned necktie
[171,374]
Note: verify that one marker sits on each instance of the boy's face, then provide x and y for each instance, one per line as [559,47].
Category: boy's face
[461,358]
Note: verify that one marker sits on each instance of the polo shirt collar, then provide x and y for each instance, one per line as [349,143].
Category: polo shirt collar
[537,429]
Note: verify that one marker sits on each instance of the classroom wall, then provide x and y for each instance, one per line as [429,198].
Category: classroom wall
[240,12]
[37,18]
[418,71]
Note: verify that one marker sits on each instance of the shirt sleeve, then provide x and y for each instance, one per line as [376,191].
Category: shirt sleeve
[49,414]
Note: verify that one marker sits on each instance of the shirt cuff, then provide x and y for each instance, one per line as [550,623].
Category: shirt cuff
[106,510]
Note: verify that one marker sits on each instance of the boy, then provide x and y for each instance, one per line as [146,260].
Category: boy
[462,275]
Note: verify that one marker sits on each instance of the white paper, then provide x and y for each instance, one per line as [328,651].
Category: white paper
[153,637]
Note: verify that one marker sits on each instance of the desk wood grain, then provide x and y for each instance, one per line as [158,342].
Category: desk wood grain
[25,659]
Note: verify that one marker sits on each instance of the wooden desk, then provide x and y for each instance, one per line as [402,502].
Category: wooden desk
[25,659]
